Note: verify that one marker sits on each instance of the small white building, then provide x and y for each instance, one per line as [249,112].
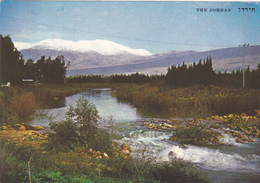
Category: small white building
[27,81]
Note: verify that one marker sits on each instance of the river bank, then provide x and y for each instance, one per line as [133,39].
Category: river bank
[195,101]
[149,141]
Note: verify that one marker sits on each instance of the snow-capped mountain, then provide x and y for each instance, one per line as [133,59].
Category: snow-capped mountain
[102,47]
[106,57]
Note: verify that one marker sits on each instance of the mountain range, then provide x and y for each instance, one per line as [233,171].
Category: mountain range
[106,57]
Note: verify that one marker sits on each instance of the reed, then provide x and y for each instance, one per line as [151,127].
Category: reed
[194,101]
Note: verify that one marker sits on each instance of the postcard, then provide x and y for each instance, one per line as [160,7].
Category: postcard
[129,91]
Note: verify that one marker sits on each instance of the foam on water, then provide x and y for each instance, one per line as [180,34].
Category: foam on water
[213,159]
[154,144]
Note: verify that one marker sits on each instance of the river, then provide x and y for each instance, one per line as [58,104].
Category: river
[230,163]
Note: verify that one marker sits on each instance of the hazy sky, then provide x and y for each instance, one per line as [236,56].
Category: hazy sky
[154,26]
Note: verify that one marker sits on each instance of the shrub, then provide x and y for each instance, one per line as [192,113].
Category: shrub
[196,134]
[24,105]
[101,141]
[85,115]
[16,104]
[79,129]
[8,115]
[177,171]
[65,137]
[148,171]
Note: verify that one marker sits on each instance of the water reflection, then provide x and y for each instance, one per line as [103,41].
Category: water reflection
[106,105]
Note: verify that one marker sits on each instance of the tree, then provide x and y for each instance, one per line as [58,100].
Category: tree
[254,81]
[51,71]
[79,129]
[200,73]
[11,62]
[85,115]
[30,70]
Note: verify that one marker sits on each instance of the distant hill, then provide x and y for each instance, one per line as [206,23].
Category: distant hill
[107,58]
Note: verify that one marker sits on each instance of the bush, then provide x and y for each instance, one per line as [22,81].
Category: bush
[85,115]
[102,142]
[65,137]
[177,171]
[148,171]
[79,129]
[24,105]
[196,134]
[13,162]
[16,104]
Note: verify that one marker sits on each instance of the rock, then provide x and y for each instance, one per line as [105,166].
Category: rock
[98,153]
[105,156]
[22,128]
[231,115]
[238,140]
[256,135]
[215,125]
[250,140]
[16,126]
[109,169]
[30,133]
[247,132]
[4,128]
[37,128]
[125,146]
[90,150]
[125,152]
[79,149]
[173,138]
[243,137]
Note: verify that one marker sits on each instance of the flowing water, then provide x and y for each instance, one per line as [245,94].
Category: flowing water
[232,162]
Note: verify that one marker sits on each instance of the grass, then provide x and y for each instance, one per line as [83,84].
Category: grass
[194,101]
[78,166]
[197,134]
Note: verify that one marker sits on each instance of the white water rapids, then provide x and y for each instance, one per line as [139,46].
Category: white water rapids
[154,144]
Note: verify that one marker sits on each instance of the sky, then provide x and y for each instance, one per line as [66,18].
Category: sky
[155,26]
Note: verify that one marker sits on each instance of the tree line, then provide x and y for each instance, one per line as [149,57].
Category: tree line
[13,68]
[135,78]
[203,73]
[197,73]
[235,78]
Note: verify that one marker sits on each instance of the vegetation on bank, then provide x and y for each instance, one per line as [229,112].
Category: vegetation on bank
[211,132]
[134,78]
[79,166]
[78,151]
[15,105]
[194,101]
